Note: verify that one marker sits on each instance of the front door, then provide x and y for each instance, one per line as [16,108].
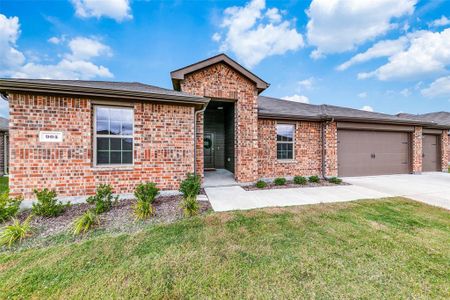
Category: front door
[208,151]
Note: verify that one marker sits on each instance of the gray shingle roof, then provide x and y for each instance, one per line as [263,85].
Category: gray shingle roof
[273,107]
[4,124]
[442,117]
[129,88]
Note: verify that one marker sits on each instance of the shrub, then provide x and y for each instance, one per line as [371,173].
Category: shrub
[190,206]
[15,232]
[47,204]
[145,194]
[300,180]
[9,207]
[103,199]
[190,187]
[279,181]
[85,222]
[335,180]
[314,179]
[143,210]
[261,184]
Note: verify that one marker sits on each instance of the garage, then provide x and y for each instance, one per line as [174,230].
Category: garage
[371,152]
[431,154]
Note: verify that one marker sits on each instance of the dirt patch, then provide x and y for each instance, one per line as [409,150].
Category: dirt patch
[119,219]
[291,184]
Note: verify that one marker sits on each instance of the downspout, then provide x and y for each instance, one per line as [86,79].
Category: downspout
[196,113]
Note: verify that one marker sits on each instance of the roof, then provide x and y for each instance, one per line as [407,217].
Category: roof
[442,117]
[180,74]
[4,124]
[110,89]
[285,109]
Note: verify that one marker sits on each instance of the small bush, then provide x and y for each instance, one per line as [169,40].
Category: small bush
[85,222]
[47,204]
[261,184]
[190,206]
[103,199]
[143,210]
[190,187]
[300,180]
[9,207]
[15,232]
[279,181]
[335,180]
[314,179]
[145,194]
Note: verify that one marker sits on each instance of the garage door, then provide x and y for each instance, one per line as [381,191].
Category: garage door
[362,153]
[430,157]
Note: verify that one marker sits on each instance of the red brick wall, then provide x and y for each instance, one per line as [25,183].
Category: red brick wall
[445,150]
[222,82]
[331,161]
[307,150]
[417,150]
[163,146]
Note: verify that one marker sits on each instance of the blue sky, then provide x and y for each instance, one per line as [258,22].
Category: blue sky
[387,55]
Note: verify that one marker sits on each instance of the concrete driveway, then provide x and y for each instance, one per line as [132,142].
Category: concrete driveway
[431,188]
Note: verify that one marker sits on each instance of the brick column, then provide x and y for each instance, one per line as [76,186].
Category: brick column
[330,147]
[417,151]
[199,162]
[444,150]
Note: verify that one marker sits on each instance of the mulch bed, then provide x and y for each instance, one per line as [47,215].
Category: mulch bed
[290,185]
[119,219]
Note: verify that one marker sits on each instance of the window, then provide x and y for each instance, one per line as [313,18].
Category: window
[285,141]
[113,135]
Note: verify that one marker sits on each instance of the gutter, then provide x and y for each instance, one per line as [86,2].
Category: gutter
[196,113]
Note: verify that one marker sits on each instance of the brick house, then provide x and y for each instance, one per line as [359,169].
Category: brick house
[72,136]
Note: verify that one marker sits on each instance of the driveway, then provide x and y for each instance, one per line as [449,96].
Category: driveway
[431,188]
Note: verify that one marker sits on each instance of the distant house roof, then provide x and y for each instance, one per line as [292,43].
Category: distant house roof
[441,117]
[4,124]
[179,74]
[110,89]
[279,108]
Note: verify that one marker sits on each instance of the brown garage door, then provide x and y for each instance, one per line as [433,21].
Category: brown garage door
[431,155]
[362,153]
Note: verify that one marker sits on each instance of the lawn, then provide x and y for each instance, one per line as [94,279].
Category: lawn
[388,248]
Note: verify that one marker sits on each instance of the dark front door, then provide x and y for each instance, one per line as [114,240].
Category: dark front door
[362,153]
[208,151]
[430,157]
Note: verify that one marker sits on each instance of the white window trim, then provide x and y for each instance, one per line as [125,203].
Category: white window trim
[95,135]
[293,159]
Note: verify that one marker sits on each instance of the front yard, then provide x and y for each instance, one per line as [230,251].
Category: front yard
[388,248]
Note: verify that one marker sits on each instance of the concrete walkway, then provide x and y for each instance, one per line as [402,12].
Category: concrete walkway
[432,188]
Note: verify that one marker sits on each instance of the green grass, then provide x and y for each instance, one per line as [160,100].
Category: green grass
[3,184]
[388,248]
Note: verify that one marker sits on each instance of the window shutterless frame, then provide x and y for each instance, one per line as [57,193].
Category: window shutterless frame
[292,143]
[95,136]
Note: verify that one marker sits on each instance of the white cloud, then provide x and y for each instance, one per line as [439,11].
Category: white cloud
[216,37]
[362,95]
[297,98]
[443,21]
[10,56]
[118,10]
[253,33]
[367,108]
[340,25]
[405,92]
[306,84]
[439,88]
[381,49]
[428,53]
[75,64]
[55,40]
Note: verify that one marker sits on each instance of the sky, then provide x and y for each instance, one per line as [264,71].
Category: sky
[388,56]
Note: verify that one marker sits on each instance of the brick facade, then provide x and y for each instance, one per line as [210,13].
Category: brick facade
[163,146]
[445,150]
[331,161]
[416,149]
[222,82]
[307,150]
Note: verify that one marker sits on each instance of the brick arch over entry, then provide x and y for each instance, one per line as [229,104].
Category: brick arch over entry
[221,81]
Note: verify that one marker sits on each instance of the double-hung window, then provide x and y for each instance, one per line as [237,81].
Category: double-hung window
[113,135]
[285,141]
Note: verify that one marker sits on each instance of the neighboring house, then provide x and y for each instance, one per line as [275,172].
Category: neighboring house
[72,136]
[441,118]
[4,148]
